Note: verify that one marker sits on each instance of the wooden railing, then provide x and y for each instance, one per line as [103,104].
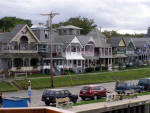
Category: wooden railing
[33,110]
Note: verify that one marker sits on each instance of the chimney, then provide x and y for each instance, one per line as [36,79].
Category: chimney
[109,35]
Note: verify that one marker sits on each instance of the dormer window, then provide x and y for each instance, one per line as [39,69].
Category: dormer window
[78,32]
[46,34]
[64,32]
[70,31]
[73,48]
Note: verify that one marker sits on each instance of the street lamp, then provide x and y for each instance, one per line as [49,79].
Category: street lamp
[51,15]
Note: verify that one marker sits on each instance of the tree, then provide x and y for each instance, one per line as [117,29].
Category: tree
[8,23]
[115,33]
[86,24]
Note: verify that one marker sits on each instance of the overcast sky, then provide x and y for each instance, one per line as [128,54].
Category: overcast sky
[121,15]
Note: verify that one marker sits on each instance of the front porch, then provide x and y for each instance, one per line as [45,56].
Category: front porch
[20,62]
[24,64]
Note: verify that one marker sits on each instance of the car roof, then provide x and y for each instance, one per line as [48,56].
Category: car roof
[92,85]
[55,89]
[144,78]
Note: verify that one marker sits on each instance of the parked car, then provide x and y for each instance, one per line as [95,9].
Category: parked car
[123,87]
[145,82]
[49,96]
[93,92]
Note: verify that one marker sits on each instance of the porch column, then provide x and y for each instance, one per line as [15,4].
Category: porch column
[81,65]
[23,62]
[111,61]
[72,63]
[70,48]
[111,51]
[104,62]
[108,62]
[77,63]
[67,63]
[29,61]
[104,51]
[12,62]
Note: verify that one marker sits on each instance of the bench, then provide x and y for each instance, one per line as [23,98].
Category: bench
[62,102]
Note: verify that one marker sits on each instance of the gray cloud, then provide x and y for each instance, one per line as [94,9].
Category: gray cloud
[115,14]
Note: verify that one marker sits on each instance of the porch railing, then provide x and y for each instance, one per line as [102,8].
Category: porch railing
[21,47]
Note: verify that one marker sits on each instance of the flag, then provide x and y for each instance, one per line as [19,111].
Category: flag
[57,52]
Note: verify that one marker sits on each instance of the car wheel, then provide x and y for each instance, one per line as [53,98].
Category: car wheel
[95,97]
[82,98]
[47,103]
[75,101]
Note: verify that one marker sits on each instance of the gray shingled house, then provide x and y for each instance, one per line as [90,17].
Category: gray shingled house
[19,50]
[72,50]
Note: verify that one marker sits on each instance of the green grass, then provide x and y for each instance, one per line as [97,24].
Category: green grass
[144,93]
[6,86]
[90,102]
[38,75]
[87,78]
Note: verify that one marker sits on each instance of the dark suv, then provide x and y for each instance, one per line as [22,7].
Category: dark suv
[49,96]
[145,82]
[93,92]
[123,87]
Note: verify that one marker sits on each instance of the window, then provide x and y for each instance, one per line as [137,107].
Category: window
[78,32]
[101,88]
[64,32]
[67,92]
[70,31]
[73,49]
[46,34]
[96,88]
[86,88]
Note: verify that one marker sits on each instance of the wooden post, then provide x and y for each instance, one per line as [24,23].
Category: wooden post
[1,99]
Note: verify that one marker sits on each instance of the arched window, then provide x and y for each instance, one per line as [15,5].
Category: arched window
[23,40]
[23,43]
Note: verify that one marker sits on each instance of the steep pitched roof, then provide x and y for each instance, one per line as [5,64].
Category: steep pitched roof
[100,39]
[6,37]
[114,41]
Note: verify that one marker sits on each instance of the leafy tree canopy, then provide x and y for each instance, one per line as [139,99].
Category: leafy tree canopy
[86,24]
[115,33]
[8,23]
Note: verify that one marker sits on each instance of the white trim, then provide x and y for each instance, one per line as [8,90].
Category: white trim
[29,31]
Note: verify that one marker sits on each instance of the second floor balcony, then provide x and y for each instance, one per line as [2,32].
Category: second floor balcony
[20,48]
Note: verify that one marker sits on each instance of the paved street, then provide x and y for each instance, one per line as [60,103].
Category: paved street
[36,94]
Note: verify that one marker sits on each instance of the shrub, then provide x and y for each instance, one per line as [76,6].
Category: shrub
[90,69]
[105,68]
[97,68]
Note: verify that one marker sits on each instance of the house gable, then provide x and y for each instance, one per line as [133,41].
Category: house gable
[122,43]
[130,46]
[27,32]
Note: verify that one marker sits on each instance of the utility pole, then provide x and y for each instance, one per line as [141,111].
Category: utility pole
[51,15]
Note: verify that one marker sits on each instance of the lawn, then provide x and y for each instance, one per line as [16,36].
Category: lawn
[6,86]
[90,102]
[92,78]
[38,75]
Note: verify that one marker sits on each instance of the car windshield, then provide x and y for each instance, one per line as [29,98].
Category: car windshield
[86,88]
[48,92]
[142,81]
